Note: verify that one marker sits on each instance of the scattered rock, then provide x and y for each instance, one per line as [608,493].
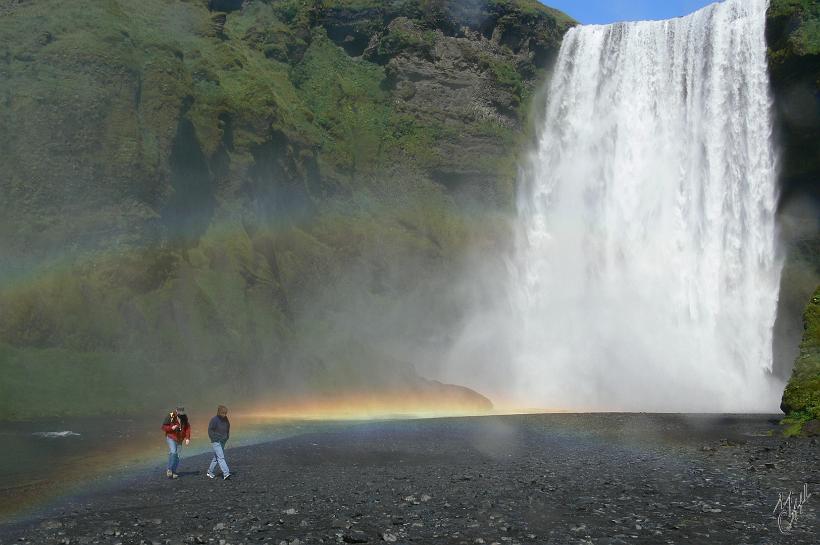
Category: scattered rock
[352,491]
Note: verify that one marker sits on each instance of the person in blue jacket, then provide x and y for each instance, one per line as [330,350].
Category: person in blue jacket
[219,431]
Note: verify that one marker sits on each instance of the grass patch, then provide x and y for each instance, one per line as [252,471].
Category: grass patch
[801,399]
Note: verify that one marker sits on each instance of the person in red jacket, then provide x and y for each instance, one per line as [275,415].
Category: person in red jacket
[177,431]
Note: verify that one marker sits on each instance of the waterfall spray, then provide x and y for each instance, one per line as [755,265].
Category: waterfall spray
[645,274]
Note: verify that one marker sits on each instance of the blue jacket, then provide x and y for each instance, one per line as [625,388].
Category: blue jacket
[219,429]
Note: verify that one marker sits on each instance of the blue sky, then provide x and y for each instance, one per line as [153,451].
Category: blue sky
[609,11]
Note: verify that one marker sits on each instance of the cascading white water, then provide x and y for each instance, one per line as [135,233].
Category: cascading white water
[646,276]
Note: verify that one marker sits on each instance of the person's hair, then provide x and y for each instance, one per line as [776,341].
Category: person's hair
[222,410]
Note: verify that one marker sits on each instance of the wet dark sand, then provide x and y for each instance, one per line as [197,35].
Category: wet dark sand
[551,479]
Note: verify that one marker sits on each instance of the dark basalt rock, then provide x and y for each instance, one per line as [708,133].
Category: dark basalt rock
[794,66]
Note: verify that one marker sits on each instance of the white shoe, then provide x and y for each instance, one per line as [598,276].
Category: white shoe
[210,475]
[226,477]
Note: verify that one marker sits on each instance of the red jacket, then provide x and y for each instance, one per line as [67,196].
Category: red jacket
[175,429]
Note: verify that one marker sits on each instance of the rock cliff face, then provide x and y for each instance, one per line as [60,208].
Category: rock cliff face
[793,34]
[239,196]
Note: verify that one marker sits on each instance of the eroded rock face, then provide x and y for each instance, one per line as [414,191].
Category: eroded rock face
[794,65]
[794,60]
[467,67]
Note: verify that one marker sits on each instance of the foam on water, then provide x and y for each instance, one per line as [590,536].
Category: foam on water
[55,434]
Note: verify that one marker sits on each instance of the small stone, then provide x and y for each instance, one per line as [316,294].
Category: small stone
[390,538]
[219,526]
[426,498]
[290,511]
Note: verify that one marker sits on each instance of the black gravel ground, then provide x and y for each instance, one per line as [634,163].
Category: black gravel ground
[551,479]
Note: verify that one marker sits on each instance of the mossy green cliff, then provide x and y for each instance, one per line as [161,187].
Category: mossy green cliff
[793,34]
[248,197]
[801,400]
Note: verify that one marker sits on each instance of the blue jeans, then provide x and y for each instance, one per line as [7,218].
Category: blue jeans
[174,449]
[219,458]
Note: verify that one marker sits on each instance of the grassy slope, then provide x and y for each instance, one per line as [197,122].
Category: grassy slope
[801,400]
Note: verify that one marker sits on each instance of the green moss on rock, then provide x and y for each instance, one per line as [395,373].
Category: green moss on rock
[803,20]
[801,399]
[793,36]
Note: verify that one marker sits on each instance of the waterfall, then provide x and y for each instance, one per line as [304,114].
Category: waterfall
[645,274]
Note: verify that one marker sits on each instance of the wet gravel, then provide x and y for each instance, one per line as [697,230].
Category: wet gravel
[546,479]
